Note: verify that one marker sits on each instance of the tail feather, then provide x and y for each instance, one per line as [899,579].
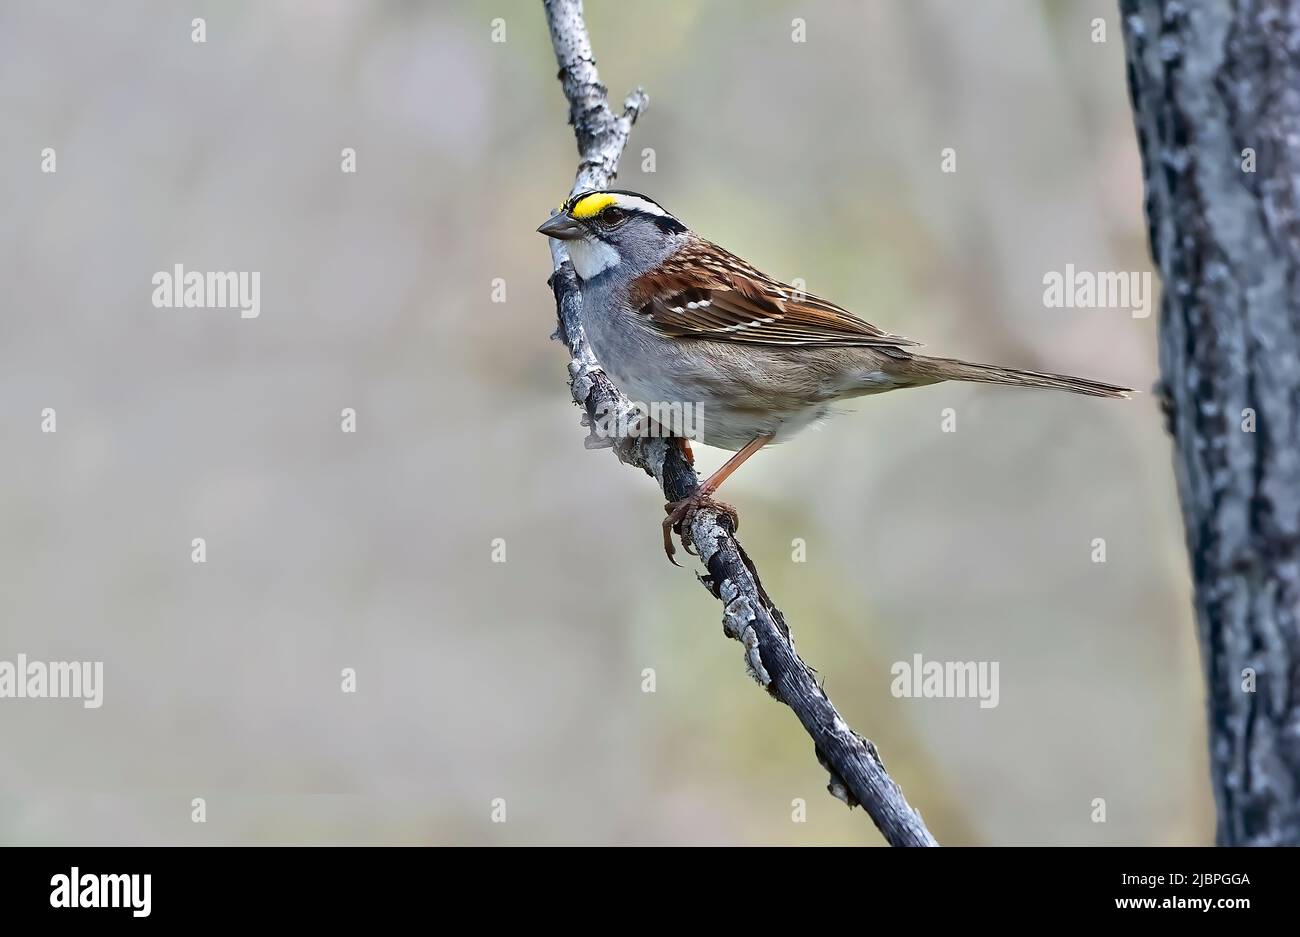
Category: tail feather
[954,369]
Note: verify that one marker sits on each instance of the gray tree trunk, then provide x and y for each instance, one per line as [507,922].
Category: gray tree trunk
[1215,86]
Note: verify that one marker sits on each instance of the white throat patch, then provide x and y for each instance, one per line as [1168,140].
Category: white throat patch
[591,255]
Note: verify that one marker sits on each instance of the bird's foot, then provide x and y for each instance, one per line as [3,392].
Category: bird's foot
[682,513]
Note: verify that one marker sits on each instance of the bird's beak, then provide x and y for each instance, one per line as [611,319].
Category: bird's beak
[561,227]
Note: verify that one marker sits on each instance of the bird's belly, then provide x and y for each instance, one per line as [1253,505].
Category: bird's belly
[698,411]
[684,390]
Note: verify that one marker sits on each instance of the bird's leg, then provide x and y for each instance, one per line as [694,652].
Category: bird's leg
[681,512]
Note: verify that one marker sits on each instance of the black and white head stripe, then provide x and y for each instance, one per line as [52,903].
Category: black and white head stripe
[588,205]
[591,203]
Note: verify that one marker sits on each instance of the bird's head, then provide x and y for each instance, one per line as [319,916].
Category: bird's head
[614,230]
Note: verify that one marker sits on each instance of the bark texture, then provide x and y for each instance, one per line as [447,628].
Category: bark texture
[1215,87]
[857,775]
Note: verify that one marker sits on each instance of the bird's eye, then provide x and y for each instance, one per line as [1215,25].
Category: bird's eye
[613,216]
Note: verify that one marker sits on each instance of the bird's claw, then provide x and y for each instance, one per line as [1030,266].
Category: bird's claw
[682,513]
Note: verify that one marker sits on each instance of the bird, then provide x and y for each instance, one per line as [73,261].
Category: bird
[677,321]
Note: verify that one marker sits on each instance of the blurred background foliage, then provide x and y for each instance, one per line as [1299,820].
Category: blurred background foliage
[523,680]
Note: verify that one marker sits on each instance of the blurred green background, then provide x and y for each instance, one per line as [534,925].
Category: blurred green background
[523,680]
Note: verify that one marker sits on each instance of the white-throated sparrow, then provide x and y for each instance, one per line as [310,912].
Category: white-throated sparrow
[684,325]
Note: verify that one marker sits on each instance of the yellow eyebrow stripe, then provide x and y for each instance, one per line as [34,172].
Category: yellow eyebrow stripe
[591,205]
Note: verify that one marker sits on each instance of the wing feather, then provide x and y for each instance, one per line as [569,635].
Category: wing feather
[705,292]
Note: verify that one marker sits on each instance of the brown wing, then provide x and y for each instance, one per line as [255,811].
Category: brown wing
[703,291]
